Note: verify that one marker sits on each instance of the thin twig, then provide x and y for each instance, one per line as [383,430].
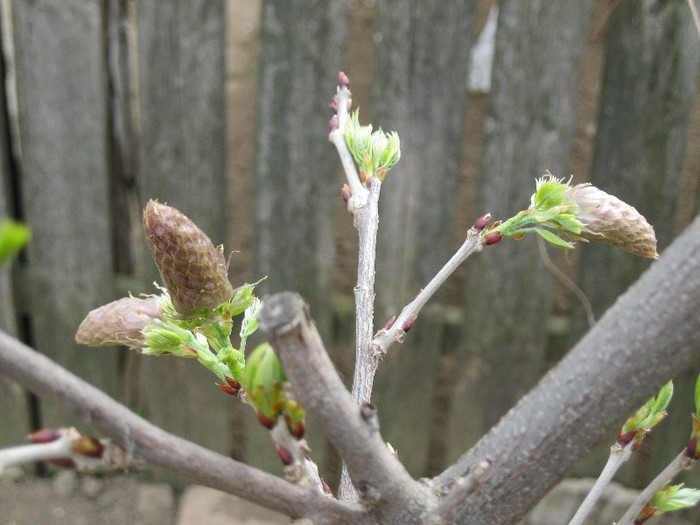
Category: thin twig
[461,488]
[618,456]
[680,463]
[63,447]
[386,337]
[146,442]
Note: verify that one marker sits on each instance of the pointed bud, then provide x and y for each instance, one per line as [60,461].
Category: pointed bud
[226,389]
[408,324]
[45,435]
[119,323]
[333,124]
[334,103]
[390,322]
[346,193]
[326,488]
[193,270]
[482,222]
[296,428]
[343,80]
[368,411]
[266,421]
[285,455]
[88,446]
[492,238]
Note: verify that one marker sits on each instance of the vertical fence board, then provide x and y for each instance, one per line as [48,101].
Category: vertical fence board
[296,182]
[182,162]
[419,89]
[650,80]
[528,130]
[295,176]
[13,403]
[62,124]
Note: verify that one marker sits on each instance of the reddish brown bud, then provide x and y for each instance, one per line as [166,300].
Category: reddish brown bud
[346,193]
[343,80]
[692,449]
[390,322]
[482,222]
[646,513]
[285,456]
[45,435]
[233,384]
[63,462]
[88,446]
[334,103]
[228,389]
[408,324]
[492,238]
[333,124]
[297,429]
[266,421]
[326,487]
[193,270]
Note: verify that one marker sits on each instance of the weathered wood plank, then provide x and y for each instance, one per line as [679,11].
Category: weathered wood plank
[419,89]
[13,401]
[295,177]
[60,66]
[182,162]
[528,130]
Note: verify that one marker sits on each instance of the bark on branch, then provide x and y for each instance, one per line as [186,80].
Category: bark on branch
[381,481]
[146,442]
[647,337]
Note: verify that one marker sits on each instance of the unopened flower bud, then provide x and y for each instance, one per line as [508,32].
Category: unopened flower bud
[119,323]
[608,219]
[193,270]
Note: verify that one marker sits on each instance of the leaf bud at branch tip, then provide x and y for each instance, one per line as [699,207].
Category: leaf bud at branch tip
[343,80]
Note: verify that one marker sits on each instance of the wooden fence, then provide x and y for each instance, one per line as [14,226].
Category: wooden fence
[220,109]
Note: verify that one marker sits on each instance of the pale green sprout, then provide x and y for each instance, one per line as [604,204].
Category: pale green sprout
[13,236]
[674,497]
[375,152]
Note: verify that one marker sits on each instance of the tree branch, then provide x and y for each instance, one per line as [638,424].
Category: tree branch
[647,337]
[146,442]
[381,480]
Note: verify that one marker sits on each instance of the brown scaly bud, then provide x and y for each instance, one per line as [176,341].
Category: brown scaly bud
[482,222]
[285,456]
[343,80]
[228,389]
[608,219]
[193,270]
[492,238]
[88,446]
[119,322]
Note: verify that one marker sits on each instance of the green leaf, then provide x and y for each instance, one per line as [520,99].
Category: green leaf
[13,236]
[697,397]
[553,239]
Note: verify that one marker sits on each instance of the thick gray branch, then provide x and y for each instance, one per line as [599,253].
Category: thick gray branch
[647,337]
[148,443]
[381,480]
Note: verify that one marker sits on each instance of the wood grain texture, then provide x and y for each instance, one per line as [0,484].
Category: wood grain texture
[60,66]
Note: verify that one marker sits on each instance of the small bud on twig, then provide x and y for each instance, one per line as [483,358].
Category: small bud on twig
[88,446]
[44,435]
[492,238]
[482,222]
[343,80]
[285,455]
